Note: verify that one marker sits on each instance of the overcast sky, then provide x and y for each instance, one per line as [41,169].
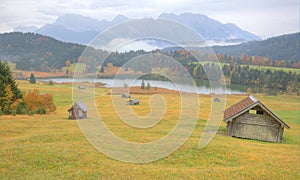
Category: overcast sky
[265,18]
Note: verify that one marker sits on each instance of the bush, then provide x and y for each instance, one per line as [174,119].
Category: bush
[50,82]
[41,110]
[21,108]
[14,112]
[39,103]
[30,113]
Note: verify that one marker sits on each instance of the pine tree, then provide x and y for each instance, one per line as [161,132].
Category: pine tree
[32,79]
[148,86]
[143,84]
[10,96]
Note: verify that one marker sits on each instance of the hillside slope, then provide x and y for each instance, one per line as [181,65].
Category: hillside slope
[37,52]
[276,48]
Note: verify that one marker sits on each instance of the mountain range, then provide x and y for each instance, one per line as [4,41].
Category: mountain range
[80,29]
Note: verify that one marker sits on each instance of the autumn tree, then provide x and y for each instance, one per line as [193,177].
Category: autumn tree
[249,90]
[68,63]
[39,103]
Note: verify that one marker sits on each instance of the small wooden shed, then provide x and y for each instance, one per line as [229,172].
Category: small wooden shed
[251,119]
[133,102]
[216,99]
[126,95]
[78,111]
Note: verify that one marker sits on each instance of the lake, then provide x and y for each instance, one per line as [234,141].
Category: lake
[202,87]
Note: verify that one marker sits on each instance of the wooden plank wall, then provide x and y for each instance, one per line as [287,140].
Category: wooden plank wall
[255,126]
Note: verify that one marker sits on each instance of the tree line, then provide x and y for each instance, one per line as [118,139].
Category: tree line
[244,75]
[258,61]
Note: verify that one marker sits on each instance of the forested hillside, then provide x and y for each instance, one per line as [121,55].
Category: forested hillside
[36,52]
[284,47]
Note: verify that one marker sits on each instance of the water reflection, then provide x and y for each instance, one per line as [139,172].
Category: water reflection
[203,87]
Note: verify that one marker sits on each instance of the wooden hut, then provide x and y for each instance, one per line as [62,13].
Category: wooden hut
[133,102]
[251,119]
[126,95]
[78,111]
[216,99]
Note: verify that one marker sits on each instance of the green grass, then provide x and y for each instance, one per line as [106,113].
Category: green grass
[293,70]
[53,147]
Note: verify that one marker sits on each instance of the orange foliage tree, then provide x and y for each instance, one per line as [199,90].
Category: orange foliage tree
[39,103]
[68,63]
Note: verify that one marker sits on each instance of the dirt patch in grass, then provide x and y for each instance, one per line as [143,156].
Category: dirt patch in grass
[138,90]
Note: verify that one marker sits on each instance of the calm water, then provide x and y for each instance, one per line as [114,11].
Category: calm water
[200,88]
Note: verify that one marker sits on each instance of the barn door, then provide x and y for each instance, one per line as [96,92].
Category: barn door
[80,114]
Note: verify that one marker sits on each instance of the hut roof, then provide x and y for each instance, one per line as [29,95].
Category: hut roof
[216,99]
[126,95]
[135,100]
[245,105]
[81,105]
[240,106]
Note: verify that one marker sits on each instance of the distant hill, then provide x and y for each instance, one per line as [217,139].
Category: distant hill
[36,52]
[81,29]
[276,48]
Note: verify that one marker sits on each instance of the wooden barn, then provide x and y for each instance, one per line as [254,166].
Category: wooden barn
[251,119]
[78,111]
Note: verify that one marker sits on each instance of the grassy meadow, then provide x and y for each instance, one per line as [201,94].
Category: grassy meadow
[53,147]
[292,70]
